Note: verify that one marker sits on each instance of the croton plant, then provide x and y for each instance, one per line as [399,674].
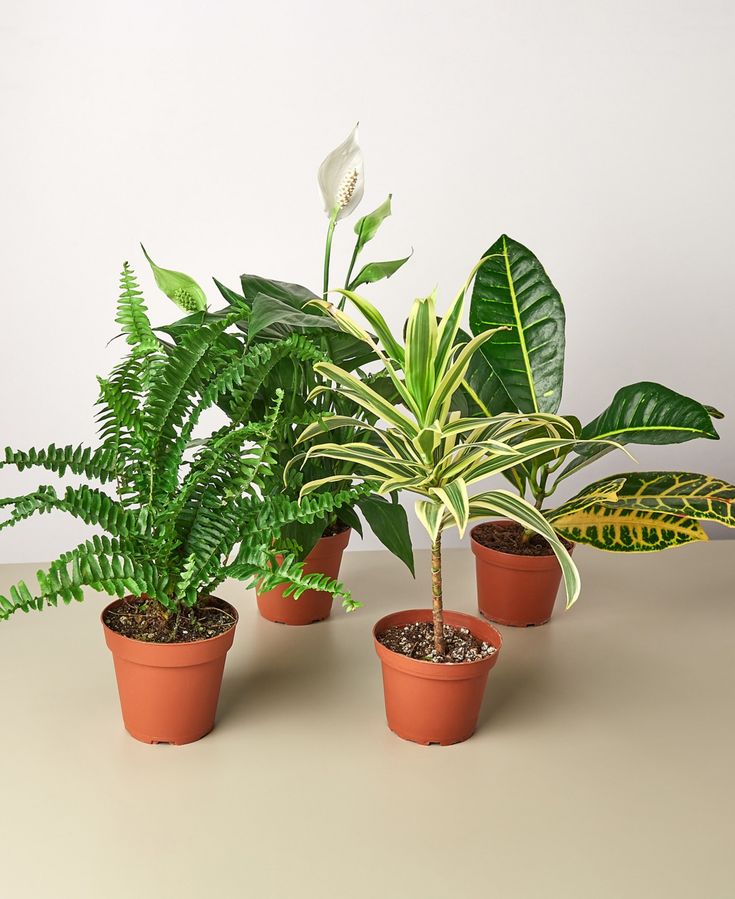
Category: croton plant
[522,370]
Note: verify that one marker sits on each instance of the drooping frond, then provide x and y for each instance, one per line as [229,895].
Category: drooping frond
[90,505]
[82,460]
[262,569]
[99,564]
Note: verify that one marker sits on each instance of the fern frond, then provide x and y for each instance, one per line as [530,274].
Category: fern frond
[171,398]
[265,571]
[211,526]
[132,314]
[274,512]
[98,564]
[120,398]
[86,503]
[27,505]
[265,357]
[98,463]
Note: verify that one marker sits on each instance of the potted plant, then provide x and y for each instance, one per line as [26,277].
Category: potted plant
[188,514]
[435,662]
[271,311]
[644,511]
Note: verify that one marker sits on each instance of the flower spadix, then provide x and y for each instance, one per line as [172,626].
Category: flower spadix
[342,177]
[178,287]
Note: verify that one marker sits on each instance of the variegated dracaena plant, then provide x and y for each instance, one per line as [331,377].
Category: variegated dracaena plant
[523,372]
[422,446]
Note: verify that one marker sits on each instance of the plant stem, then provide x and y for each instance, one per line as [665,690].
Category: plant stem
[349,270]
[328,250]
[437,610]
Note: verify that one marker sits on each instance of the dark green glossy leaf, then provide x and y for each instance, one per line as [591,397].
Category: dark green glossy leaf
[482,393]
[644,413]
[279,319]
[512,289]
[292,294]
[389,523]
[232,297]
[348,515]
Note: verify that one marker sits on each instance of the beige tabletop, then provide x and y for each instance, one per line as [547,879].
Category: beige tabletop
[602,766]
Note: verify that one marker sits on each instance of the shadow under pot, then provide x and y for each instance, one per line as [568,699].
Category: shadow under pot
[431,702]
[513,589]
[312,605]
[169,691]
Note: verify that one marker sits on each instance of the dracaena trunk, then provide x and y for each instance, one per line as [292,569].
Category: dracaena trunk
[440,644]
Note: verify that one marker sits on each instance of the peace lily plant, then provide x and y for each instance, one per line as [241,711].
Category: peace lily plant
[523,371]
[272,311]
[421,445]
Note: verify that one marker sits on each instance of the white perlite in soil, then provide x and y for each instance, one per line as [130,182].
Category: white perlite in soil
[417,642]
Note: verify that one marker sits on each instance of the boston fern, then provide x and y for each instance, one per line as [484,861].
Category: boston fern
[189,512]
[523,371]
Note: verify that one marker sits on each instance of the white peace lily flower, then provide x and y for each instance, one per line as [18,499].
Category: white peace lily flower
[342,177]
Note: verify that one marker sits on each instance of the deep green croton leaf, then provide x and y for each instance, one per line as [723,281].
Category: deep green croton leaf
[644,413]
[512,289]
[483,393]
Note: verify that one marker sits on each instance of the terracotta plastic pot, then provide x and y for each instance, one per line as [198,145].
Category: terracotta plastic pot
[312,605]
[519,591]
[428,702]
[168,691]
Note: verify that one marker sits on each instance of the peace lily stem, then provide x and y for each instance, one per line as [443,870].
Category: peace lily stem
[328,250]
[349,271]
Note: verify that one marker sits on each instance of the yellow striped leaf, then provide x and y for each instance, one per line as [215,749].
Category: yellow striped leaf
[454,496]
[628,530]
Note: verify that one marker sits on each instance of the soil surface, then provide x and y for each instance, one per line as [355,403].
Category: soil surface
[147,620]
[509,539]
[339,527]
[417,642]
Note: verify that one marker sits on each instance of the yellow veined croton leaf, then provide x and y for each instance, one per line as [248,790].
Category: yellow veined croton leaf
[651,510]
[627,530]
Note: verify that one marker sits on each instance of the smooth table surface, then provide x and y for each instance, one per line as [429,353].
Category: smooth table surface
[602,766]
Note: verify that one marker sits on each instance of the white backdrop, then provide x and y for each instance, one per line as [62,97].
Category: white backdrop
[600,134]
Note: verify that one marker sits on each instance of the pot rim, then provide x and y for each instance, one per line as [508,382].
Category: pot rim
[326,542]
[445,670]
[134,642]
[511,560]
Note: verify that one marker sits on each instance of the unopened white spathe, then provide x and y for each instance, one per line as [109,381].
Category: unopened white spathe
[342,177]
